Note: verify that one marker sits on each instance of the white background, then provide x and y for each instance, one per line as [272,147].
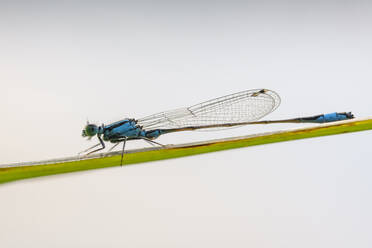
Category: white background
[63,63]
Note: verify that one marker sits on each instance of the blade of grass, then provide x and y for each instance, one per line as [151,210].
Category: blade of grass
[9,174]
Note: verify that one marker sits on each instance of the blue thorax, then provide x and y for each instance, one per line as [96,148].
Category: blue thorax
[126,128]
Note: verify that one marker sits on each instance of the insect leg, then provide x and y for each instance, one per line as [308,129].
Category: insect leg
[101,148]
[117,143]
[90,148]
[122,152]
[113,147]
[149,142]
[152,142]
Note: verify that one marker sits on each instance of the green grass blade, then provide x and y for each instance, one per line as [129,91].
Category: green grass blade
[9,174]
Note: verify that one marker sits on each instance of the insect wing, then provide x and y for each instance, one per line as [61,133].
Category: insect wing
[245,106]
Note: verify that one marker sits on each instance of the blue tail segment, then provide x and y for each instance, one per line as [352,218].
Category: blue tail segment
[328,117]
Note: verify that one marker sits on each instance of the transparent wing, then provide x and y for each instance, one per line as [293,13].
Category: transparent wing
[249,105]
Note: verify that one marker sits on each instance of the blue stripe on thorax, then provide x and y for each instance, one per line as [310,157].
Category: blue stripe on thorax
[125,128]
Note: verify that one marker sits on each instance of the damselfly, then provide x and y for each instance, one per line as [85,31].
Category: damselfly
[242,108]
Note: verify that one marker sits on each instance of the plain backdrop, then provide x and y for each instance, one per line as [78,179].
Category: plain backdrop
[63,62]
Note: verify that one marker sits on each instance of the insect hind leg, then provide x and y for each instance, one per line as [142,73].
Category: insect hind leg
[152,142]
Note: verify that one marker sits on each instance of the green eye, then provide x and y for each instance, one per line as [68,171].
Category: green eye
[90,130]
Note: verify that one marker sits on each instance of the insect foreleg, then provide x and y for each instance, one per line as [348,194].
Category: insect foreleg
[89,148]
[101,148]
